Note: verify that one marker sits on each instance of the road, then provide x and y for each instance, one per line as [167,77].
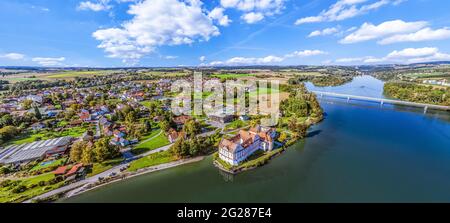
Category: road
[93,179]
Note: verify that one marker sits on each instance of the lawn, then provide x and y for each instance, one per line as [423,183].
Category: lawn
[48,164]
[33,189]
[18,79]
[146,103]
[152,134]
[155,143]
[236,124]
[102,167]
[152,160]
[263,91]
[44,135]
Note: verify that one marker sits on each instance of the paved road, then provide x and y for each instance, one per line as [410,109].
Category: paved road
[93,179]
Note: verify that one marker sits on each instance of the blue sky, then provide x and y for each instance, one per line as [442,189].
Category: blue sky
[114,33]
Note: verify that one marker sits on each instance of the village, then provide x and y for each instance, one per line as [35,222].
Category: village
[58,137]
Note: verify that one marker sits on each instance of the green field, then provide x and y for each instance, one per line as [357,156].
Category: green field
[262,91]
[32,188]
[73,74]
[155,143]
[18,79]
[146,103]
[228,76]
[167,74]
[152,160]
[427,74]
[236,124]
[44,135]
[102,167]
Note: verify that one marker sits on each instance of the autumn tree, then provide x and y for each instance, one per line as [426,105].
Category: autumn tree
[76,152]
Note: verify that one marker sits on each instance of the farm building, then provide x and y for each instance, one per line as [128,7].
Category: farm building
[23,153]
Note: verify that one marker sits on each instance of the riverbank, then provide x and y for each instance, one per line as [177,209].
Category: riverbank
[120,177]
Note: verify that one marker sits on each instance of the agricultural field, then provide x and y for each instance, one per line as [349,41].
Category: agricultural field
[49,76]
[231,76]
[167,74]
[73,74]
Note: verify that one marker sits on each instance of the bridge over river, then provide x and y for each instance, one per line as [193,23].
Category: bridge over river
[382,101]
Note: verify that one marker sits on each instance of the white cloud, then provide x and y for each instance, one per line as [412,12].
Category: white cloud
[265,60]
[351,59]
[13,56]
[345,9]
[217,14]
[101,5]
[255,10]
[306,53]
[202,58]
[170,57]
[49,61]
[396,31]
[411,55]
[426,34]
[252,17]
[156,23]
[42,9]
[248,61]
[369,31]
[325,32]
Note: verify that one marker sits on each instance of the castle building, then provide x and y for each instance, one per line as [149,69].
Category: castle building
[245,143]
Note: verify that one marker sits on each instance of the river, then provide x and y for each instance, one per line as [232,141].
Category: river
[361,152]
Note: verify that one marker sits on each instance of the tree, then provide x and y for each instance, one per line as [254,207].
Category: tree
[283,136]
[164,125]
[88,155]
[147,126]
[4,170]
[8,132]
[191,128]
[26,104]
[104,151]
[6,119]
[76,152]
[37,113]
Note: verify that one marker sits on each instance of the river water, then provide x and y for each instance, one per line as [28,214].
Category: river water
[361,152]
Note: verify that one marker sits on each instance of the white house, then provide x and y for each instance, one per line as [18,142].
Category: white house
[245,143]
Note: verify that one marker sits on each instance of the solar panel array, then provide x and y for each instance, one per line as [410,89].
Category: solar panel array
[30,151]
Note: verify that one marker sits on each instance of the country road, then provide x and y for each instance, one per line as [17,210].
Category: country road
[93,179]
